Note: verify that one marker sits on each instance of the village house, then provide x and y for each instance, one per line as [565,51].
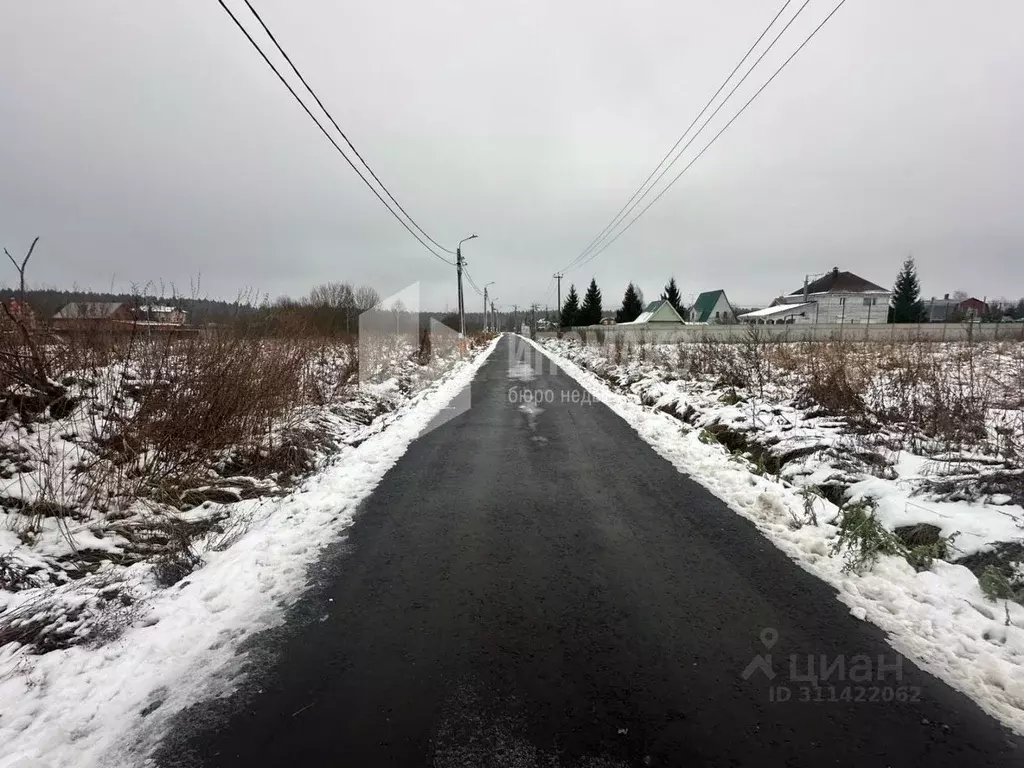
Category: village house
[87,314]
[659,314]
[713,308]
[155,313]
[20,311]
[947,310]
[837,297]
[79,315]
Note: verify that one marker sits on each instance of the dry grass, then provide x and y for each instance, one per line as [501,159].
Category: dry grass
[940,396]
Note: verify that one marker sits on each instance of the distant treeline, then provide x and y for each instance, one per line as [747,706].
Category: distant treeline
[332,308]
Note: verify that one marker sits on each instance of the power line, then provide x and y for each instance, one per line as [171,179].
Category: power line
[330,117]
[622,211]
[469,277]
[716,136]
[330,138]
[551,284]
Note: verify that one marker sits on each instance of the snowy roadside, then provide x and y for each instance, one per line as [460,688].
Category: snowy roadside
[937,616]
[108,705]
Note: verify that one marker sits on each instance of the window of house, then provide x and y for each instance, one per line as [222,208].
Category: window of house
[870,301]
[842,300]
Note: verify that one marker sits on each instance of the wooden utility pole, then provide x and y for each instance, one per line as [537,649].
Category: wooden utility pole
[485,309]
[462,309]
[558,276]
[458,268]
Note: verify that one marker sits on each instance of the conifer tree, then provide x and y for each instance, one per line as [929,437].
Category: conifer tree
[671,295]
[590,312]
[907,306]
[571,309]
[632,306]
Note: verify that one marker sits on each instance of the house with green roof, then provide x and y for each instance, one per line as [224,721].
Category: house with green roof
[713,308]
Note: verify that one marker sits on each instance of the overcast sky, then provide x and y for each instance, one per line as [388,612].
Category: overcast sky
[146,141]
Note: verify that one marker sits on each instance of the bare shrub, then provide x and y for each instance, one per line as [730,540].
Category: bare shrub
[754,369]
[618,344]
[832,381]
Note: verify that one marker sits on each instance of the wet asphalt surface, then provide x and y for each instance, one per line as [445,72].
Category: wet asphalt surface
[534,586]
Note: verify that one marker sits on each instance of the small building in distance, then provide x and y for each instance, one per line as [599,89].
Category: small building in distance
[947,310]
[20,311]
[86,314]
[713,308]
[81,315]
[159,313]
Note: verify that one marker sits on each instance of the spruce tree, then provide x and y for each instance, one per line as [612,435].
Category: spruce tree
[632,306]
[571,309]
[907,306]
[671,295]
[590,312]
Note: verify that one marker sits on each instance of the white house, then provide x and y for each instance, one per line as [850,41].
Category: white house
[837,297]
[712,307]
[658,313]
[154,313]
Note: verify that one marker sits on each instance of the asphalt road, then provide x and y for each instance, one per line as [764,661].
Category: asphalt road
[539,588]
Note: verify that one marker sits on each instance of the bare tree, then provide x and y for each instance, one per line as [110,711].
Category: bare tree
[21,267]
[335,295]
[366,298]
[36,377]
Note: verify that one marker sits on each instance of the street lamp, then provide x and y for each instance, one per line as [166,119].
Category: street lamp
[458,269]
[485,305]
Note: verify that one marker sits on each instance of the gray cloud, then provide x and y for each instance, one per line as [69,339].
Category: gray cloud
[146,141]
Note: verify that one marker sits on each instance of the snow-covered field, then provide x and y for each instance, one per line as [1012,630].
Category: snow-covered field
[131,653]
[757,440]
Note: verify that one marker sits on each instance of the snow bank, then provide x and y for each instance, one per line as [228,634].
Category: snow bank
[107,706]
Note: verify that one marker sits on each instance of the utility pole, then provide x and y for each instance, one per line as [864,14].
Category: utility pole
[515,318]
[494,317]
[458,270]
[487,326]
[558,276]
